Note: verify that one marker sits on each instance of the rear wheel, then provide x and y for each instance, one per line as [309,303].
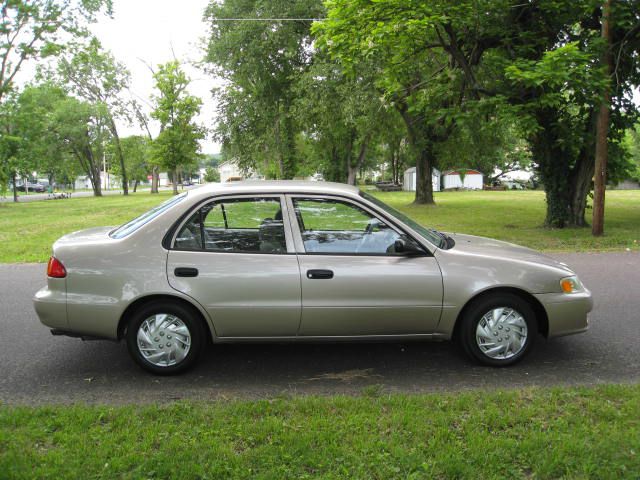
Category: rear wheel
[165,338]
[498,330]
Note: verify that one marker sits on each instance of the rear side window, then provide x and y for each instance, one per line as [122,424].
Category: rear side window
[243,225]
[146,217]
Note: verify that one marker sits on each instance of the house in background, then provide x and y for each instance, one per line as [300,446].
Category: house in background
[409,183]
[229,169]
[471,179]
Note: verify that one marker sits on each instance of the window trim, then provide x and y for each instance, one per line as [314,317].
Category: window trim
[299,242]
[170,238]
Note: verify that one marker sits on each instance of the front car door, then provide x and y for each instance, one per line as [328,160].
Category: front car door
[235,256]
[353,281]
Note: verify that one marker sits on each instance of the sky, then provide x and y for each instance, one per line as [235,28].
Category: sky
[153,32]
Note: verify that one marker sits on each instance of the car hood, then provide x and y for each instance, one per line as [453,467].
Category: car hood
[488,247]
[90,235]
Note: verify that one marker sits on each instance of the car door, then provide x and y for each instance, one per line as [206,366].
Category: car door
[353,280]
[235,256]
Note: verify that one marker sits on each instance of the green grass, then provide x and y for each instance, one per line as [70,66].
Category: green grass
[28,230]
[518,216]
[531,433]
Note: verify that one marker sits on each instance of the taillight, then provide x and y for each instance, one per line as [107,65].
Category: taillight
[55,268]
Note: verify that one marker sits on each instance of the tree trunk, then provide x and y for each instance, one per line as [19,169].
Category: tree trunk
[352,171]
[602,129]
[424,180]
[135,186]
[579,187]
[116,138]
[566,176]
[94,173]
[15,190]
[421,144]
[155,179]
[174,182]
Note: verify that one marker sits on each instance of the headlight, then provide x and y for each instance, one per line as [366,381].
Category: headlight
[571,285]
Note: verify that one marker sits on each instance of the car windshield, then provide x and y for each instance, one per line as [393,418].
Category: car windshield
[137,222]
[434,236]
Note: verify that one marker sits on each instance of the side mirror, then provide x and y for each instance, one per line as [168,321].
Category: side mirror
[407,248]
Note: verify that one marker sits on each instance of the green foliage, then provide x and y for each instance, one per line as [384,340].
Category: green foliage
[631,147]
[212,174]
[136,151]
[442,62]
[177,146]
[260,63]
[33,29]
[342,117]
[95,76]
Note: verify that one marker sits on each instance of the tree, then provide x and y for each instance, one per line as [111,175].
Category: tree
[10,143]
[136,151]
[81,129]
[177,146]
[32,29]
[414,70]
[212,174]
[95,76]
[260,62]
[341,117]
[537,58]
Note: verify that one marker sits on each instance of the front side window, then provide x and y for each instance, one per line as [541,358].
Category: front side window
[241,225]
[332,226]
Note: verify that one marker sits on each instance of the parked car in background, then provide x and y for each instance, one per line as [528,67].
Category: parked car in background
[31,187]
[300,261]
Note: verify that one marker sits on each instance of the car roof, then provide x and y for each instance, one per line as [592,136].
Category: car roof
[273,186]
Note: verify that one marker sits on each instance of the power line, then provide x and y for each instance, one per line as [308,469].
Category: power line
[267,19]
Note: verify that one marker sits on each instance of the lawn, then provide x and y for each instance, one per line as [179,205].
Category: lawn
[28,230]
[531,433]
[517,216]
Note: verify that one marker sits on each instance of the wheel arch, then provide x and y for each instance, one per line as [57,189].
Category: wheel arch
[538,308]
[142,301]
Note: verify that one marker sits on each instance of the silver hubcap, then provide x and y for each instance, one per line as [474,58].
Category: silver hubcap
[164,340]
[501,333]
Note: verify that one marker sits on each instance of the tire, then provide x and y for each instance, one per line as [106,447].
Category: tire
[498,330]
[172,333]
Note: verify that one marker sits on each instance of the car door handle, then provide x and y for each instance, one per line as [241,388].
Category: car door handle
[319,274]
[186,272]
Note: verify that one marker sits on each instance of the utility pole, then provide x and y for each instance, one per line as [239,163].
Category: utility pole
[602,129]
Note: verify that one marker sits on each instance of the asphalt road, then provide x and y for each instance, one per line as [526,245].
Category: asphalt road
[36,367]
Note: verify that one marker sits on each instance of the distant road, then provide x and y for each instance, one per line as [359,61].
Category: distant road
[40,368]
[45,196]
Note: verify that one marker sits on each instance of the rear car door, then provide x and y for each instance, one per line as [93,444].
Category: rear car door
[353,281]
[235,256]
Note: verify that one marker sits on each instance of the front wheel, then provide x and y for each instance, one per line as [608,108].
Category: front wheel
[498,330]
[165,338]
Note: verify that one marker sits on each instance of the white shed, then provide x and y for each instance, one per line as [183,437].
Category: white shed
[462,178]
[409,183]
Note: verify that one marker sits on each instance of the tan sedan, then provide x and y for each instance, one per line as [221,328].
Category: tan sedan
[300,261]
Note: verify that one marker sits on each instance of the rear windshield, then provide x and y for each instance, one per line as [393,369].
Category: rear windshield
[137,222]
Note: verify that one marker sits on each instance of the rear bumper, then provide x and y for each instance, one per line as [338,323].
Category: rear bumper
[568,314]
[51,307]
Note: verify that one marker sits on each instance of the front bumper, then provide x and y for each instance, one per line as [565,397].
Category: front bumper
[51,307]
[567,313]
